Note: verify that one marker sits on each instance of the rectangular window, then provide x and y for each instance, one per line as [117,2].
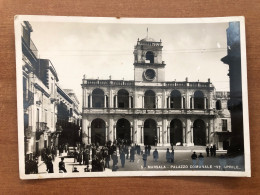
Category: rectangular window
[224,125]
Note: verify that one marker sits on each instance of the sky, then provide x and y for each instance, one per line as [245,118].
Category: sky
[101,50]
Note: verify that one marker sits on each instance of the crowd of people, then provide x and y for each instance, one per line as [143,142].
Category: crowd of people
[97,158]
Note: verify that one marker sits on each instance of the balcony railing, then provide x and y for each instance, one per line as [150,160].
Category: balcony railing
[108,82]
[97,82]
[41,126]
[147,111]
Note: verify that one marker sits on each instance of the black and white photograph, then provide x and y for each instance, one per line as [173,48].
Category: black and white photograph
[106,97]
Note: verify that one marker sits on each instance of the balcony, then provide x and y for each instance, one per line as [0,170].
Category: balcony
[96,82]
[137,111]
[41,126]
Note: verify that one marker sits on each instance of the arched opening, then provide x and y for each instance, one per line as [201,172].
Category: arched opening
[98,98]
[123,130]
[150,132]
[123,98]
[175,101]
[149,57]
[176,133]
[199,132]
[198,100]
[218,105]
[98,131]
[149,99]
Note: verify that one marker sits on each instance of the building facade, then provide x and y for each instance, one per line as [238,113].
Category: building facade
[149,110]
[47,108]
[39,96]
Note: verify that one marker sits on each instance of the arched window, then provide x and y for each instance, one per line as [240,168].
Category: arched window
[98,98]
[218,105]
[150,56]
[123,98]
[175,101]
[149,99]
[198,100]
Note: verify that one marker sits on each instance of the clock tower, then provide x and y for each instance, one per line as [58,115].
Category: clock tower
[148,63]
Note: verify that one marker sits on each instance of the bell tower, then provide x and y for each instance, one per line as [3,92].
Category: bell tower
[148,63]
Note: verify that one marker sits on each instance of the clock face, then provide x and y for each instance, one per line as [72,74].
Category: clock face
[149,74]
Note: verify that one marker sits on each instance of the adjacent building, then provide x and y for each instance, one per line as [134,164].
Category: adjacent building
[43,99]
[151,111]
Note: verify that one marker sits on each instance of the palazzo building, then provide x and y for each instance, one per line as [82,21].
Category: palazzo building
[151,111]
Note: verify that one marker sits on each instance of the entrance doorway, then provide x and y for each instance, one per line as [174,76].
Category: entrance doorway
[150,132]
[98,131]
[176,133]
[199,132]
[123,130]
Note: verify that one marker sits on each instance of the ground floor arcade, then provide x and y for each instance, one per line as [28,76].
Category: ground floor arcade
[149,130]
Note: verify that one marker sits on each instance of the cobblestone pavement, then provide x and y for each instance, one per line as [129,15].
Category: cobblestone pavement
[182,162]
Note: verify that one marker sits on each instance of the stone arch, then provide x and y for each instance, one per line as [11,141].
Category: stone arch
[98,98]
[149,56]
[199,132]
[175,101]
[98,131]
[123,130]
[123,98]
[176,131]
[198,100]
[149,99]
[150,132]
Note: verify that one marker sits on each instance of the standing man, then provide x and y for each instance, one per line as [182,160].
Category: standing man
[207,150]
[201,159]
[214,150]
[155,155]
[132,154]
[172,156]
[168,155]
[122,158]
[115,161]
[62,166]
[149,150]
[211,151]
[194,158]
[144,158]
